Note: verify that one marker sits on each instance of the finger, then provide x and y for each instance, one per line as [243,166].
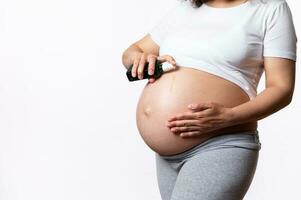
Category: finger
[202,113]
[141,66]
[151,66]
[161,58]
[135,66]
[190,134]
[180,123]
[181,116]
[168,58]
[200,106]
[151,80]
[178,130]
[171,60]
[174,66]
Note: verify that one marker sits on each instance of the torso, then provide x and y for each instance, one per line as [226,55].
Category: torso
[170,94]
[208,43]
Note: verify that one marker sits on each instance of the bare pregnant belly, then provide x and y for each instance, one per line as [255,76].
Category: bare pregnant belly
[170,94]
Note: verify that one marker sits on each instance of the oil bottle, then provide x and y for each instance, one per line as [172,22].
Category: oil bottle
[160,68]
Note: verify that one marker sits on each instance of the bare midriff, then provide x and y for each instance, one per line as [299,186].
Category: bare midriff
[171,94]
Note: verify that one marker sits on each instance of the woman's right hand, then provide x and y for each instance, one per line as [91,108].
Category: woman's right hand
[140,60]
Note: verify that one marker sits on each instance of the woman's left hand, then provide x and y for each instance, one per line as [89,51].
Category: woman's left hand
[202,118]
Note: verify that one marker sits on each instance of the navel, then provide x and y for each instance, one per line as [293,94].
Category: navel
[147,111]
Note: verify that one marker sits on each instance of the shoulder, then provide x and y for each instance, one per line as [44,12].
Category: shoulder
[272,5]
[271,8]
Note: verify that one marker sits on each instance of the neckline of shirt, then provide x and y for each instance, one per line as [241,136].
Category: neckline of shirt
[239,6]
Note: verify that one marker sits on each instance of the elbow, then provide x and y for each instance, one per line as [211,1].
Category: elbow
[125,59]
[285,94]
[288,98]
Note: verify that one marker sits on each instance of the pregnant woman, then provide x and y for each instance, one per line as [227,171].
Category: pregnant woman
[200,118]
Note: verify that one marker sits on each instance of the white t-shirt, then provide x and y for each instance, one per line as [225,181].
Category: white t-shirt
[228,42]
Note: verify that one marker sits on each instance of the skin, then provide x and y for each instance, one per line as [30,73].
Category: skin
[208,116]
[225,3]
[280,79]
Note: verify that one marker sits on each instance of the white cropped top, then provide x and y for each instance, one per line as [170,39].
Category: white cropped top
[228,42]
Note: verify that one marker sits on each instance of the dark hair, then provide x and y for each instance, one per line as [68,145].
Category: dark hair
[197,3]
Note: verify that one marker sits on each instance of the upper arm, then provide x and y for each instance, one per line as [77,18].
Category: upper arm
[280,72]
[279,49]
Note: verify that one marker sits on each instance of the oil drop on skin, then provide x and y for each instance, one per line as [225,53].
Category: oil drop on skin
[160,68]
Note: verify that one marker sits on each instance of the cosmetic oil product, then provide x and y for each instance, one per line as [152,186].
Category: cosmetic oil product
[160,68]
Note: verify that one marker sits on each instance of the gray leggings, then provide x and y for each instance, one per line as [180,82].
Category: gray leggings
[221,168]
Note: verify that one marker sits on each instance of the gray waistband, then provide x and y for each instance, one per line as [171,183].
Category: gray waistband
[244,139]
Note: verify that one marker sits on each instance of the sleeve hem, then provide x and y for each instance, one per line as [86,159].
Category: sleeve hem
[281,54]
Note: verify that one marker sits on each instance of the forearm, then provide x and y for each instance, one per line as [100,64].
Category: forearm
[267,102]
[128,55]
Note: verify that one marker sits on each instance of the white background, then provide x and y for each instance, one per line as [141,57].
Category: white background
[67,110]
